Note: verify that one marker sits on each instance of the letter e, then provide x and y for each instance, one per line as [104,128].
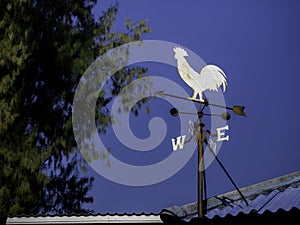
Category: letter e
[221,133]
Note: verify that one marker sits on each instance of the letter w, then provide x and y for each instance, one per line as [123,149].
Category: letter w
[178,142]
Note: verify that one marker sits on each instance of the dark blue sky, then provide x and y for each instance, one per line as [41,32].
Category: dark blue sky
[257,44]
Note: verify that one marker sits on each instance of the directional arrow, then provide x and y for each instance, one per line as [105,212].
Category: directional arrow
[239,110]
[163,94]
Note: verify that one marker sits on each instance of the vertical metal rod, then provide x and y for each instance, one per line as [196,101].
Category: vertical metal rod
[200,166]
[200,176]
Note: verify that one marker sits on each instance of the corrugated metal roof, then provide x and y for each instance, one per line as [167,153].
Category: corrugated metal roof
[87,219]
[282,193]
[286,200]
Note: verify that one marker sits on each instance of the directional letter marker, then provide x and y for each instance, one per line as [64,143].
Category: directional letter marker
[221,133]
[178,142]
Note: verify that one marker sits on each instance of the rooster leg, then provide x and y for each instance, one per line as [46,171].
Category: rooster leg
[194,95]
[200,96]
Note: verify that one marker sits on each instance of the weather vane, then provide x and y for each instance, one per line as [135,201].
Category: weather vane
[210,78]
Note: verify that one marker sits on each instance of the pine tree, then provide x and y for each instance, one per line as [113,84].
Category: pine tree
[45,47]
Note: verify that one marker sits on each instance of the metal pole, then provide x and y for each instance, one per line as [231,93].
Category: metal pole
[200,167]
[200,177]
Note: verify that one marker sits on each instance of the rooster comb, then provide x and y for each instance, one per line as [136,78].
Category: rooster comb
[180,51]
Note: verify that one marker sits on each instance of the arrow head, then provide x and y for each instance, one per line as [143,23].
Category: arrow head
[160,93]
[239,110]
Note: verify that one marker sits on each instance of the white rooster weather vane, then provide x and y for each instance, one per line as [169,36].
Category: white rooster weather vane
[210,78]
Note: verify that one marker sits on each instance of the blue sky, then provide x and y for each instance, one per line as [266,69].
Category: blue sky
[257,44]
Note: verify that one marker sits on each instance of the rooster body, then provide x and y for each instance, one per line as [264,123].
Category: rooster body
[210,78]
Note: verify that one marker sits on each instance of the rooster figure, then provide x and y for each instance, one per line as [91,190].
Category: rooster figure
[210,78]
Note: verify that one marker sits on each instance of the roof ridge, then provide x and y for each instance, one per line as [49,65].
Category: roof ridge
[268,185]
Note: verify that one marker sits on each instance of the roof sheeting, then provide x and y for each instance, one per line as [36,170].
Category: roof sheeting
[286,200]
[282,193]
[91,219]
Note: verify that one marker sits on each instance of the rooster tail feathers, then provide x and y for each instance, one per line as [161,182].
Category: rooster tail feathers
[224,81]
[224,85]
[214,77]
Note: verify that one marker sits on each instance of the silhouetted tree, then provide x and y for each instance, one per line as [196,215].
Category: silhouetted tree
[45,47]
